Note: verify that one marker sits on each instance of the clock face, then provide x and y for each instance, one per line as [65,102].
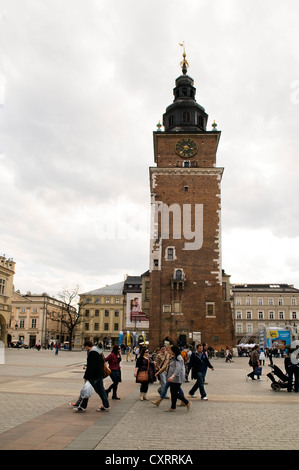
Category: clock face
[186,148]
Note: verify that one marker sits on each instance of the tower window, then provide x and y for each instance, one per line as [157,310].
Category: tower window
[200,121]
[179,275]
[187,164]
[170,253]
[186,188]
[210,309]
[186,117]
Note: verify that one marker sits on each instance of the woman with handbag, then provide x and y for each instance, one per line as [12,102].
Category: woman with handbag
[144,372]
[114,360]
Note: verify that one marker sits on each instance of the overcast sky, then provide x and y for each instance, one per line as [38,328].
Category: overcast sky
[82,87]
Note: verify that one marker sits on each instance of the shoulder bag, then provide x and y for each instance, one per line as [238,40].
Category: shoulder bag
[142,375]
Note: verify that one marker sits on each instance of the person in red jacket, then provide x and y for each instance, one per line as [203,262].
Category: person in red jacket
[114,360]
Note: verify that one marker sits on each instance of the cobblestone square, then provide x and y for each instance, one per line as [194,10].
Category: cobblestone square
[37,386]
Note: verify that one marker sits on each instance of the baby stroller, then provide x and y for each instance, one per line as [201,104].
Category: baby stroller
[277,385]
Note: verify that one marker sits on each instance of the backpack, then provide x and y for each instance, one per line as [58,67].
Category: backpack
[184,355]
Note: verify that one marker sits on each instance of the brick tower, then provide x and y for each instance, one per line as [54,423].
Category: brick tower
[186,286]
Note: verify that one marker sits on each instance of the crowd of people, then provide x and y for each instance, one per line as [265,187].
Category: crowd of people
[170,365]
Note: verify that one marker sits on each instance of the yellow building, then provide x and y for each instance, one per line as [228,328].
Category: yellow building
[103,316]
[7,271]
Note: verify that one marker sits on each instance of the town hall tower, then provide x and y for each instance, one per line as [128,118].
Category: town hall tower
[187,301]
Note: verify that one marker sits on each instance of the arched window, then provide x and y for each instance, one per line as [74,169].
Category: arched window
[186,117]
[200,121]
[179,275]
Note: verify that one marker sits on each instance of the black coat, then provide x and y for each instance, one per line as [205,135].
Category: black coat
[95,366]
[199,363]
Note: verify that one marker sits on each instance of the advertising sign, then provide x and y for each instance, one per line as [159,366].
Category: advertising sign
[134,315]
[278,337]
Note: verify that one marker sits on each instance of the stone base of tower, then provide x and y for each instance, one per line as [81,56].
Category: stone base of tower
[195,325]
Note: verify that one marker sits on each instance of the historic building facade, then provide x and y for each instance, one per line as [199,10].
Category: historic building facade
[262,306]
[186,285]
[102,315]
[7,271]
[31,320]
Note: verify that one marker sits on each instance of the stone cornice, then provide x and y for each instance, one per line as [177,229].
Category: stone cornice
[187,171]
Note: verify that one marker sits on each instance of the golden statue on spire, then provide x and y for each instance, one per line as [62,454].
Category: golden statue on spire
[184,64]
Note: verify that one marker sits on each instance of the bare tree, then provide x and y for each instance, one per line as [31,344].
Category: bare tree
[71,314]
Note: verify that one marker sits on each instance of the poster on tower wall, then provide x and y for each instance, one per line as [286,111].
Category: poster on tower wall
[134,315]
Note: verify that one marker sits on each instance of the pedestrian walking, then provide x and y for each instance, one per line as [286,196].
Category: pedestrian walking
[163,389]
[199,363]
[136,352]
[94,374]
[262,357]
[205,348]
[269,355]
[145,365]
[292,369]
[176,376]
[129,355]
[186,353]
[114,360]
[162,358]
[253,362]
[57,346]
[228,355]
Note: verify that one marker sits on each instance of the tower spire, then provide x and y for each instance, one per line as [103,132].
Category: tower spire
[184,114]
[184,64]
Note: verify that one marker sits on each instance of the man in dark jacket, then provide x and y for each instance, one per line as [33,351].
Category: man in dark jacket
[254,361]
[94,373]
[199,363]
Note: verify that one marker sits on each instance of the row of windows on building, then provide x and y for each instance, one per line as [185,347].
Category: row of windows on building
[261,315]
[186,119]
[96,327]
[98,301]
[260,301]
[249,328]
[22,322]
[176,307]
[96,313]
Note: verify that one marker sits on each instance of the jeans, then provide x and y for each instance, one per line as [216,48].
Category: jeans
[163,382]
[199,384]
[176,393]
[116,378]
[166,387]
[98,386]
[293,371]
